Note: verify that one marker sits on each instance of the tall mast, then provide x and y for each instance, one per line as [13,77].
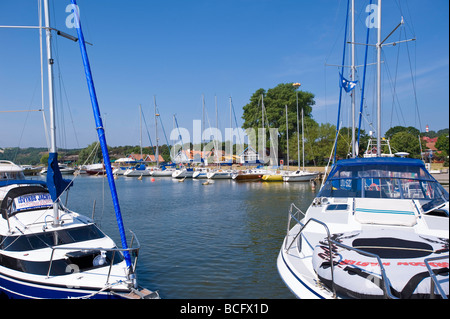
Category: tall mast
[203,118]
[216,141]
[287,137]
[51,102]
[102,140]
[297,85]
[156,133]
[140,128]
[303,142]
[379,44]
[50,78]
[353,79]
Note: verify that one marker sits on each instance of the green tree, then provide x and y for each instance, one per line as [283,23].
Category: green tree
[44,159]
[275,101]
[406,142]
[394,130]
[90,154]
[442,144]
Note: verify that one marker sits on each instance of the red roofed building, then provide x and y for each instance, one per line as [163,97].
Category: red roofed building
[145,158]
[430,142]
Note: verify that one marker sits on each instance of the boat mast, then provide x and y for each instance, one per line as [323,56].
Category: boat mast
[353,79]
[51,99]
[216,141]
[140,129]
[103,144]
[379,44]
[156,133]
[287,137]
[297,85]
[303,141]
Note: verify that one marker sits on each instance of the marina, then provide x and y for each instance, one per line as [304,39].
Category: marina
[200,241]
[222,211]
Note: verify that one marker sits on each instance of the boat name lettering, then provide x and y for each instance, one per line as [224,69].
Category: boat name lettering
[33,198]
[33,201]
[400,263]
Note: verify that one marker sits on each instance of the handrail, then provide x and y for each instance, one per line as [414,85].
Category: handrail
[385,279]
[434,282]
[131,249]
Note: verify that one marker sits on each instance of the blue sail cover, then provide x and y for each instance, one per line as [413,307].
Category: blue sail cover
[55,183]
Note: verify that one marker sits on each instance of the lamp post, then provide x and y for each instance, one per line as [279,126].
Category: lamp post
[296,86]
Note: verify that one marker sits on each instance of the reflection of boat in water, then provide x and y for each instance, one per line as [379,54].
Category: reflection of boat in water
[366,216]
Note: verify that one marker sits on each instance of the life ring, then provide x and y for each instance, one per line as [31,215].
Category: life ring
[374,186]
[402,255]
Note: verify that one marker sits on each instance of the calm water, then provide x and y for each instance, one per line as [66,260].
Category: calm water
[199,241]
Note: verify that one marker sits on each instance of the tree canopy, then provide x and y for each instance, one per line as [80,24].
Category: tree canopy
[275,101]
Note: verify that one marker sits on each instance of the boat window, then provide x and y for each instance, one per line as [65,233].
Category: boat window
[12,175]
[47,239]
[337,207]
[383,182]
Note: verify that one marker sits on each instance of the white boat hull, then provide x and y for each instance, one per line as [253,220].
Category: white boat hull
[300,177]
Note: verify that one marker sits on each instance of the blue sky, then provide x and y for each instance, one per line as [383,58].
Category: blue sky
[178,50]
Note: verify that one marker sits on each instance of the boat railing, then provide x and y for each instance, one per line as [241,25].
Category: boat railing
[134,251]
[294,215]
[435,283]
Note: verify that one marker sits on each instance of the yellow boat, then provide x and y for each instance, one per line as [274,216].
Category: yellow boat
[273,178]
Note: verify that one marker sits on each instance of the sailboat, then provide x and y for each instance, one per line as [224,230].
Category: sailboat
[49,251]
[139,169]
[277,176]
[300,175]
[366,234]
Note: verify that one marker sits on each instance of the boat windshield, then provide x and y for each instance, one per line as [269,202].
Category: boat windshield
[11,175]
[383,181]
[49,239]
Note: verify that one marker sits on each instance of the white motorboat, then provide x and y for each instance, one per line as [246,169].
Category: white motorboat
[163,172]
[378,228]
[383,240]
[221,174]
[11,171]
[200,173]
[137,171]
[183,173]
[300,176]
[64,169]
